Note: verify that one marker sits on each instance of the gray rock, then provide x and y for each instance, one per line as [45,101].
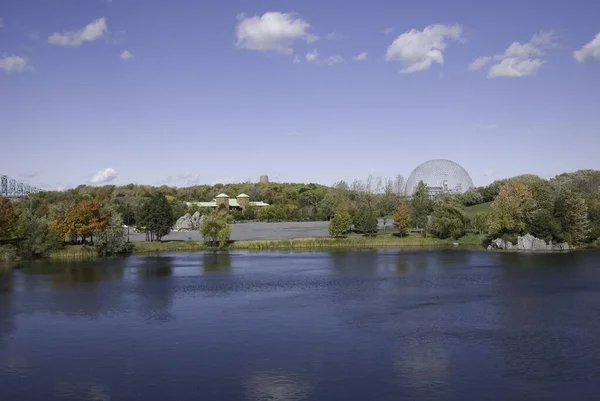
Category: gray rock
[539,244]
[196,218]
[525,243]
[508,245]
[489,248]
[498,243]
[184,223]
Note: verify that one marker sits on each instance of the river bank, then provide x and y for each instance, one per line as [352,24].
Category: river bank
[382,240]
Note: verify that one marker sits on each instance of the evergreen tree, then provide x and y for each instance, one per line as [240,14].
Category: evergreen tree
[366,220]
[420,206]
[340,223]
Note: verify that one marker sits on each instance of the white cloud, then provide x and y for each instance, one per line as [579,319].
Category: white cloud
[103,176]
[312,57]
[126,55]
[240,16]
[333,36]
[333,60]
[488,172]
[388,31]
[479,63]
[274,31]
[518,60]
[589,51]
[418,50]
[297,60]
[92,31]
[14,64]
[360,57]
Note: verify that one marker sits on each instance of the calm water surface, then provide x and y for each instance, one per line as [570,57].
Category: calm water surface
[373,325]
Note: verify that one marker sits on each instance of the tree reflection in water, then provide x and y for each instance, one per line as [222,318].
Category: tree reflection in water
[155,292]
[216,261]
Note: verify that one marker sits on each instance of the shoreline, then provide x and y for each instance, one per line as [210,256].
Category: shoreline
[381,241]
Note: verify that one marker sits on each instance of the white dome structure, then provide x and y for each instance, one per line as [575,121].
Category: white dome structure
[441,176]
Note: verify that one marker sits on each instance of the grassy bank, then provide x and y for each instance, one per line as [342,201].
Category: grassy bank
[382,240]
[74,252]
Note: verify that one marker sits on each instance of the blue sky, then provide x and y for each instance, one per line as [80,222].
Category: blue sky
[188,92]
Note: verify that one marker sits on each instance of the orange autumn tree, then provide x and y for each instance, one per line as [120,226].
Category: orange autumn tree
[83,219]
[402,219]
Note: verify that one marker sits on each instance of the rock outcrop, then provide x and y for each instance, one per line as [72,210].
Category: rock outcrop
[189,222]
[184,223]
[528,243]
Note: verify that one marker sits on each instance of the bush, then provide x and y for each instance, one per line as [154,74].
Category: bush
[544,225]
[450,220]
[215,229]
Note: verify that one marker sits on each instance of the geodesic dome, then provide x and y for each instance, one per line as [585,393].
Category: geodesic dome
[441,176]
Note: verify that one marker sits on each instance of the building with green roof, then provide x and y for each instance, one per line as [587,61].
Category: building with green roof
[240,202]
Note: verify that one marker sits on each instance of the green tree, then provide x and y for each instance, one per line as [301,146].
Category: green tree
[111,239]
[215,229]
[479,222]
[450,219]
[420,206]
[365,220]
[39,239]
[572,211]
[402,219]
[543,224]
[156,214]
[512,209]
[340,222]
[8,218]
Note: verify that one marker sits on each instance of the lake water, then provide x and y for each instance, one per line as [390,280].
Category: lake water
[371,325]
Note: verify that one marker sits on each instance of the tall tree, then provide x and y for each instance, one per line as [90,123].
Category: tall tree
[156,214]
[8,217]
[402,219]
[111,240]
[340,222]
[572,211]
[512,210]
[420,206]
[365,220]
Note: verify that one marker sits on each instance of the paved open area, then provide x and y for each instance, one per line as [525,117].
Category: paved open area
[254,231]
[258,231]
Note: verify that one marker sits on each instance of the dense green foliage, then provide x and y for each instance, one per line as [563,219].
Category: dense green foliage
[420,206]
[39,239]
[215,229]
[340,223]
[450,218]
[156,214]
[111,239]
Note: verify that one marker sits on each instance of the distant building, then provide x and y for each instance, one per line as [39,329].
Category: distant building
[264,179]
[441,177]
[240,202]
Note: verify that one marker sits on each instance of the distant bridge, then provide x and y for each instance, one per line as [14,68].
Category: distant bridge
[11,188]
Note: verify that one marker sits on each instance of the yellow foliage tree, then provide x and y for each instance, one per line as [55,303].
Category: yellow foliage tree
[512,209]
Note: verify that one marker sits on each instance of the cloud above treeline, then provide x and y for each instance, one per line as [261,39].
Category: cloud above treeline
[104,176]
